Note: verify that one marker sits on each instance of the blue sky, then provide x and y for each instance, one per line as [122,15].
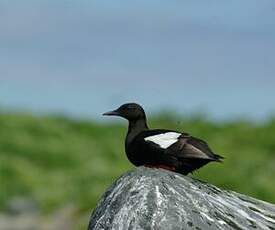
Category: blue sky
[85,57]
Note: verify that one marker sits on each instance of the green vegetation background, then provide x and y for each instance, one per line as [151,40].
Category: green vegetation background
[58,161]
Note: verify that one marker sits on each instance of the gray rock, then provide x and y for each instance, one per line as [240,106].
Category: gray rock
[20,205]
[158,199]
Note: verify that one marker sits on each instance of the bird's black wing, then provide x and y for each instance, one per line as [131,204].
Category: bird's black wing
[190,147]
[149,147]
[167,147]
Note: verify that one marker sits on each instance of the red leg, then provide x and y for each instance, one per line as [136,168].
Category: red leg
[167,167]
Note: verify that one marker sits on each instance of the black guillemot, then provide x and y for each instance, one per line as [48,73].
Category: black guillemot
[161,148]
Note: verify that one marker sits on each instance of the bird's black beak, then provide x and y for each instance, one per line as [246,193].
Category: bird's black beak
[111,113]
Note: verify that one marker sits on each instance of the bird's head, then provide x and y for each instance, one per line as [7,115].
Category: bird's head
[129,111]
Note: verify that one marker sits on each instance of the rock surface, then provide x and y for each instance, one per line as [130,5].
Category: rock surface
[158,199]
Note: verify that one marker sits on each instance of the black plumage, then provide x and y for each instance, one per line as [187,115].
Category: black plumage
[179,152]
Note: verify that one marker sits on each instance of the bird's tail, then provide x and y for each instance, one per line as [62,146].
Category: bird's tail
[218,158]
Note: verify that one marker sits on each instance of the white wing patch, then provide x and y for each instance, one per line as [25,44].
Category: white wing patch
[164,140]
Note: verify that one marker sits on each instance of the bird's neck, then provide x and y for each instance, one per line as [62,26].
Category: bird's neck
[136,127]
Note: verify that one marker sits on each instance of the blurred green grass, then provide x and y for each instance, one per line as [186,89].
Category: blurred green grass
[57,161]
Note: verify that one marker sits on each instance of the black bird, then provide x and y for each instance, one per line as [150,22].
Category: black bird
[161,148]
